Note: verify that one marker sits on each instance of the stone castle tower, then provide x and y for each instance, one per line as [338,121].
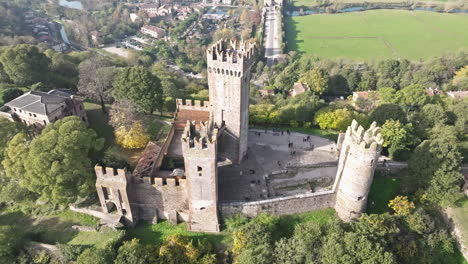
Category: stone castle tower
[112,188]
[359,154]
[200,151]
[229,64]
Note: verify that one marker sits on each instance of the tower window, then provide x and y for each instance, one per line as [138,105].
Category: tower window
[372,162]
[199,170]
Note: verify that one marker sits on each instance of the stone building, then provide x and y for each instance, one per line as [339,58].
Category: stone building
[37,108]
[179,180]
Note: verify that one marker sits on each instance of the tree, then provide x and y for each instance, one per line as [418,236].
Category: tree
[133,138]
[132,252]
[461,78]
[385,112]
[56,164]
[317,79]
[11,241]
[398,138]
[178,249]
[413,96]
[434,169]
[25,64]
[350,247]
[96,256]
[11,93]
[96,77]
[401,205]
[339,119]
[139,86]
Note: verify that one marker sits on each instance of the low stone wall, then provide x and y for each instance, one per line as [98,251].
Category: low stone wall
[280,206]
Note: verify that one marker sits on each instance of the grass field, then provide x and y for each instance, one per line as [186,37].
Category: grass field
[377,34]
[383,189]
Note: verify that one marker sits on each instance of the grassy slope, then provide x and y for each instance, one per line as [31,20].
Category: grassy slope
[388,33]
[57,228]
[156,234]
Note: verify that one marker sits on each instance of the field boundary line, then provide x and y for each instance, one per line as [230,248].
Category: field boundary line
[431,26]
[390,47]
[342,38]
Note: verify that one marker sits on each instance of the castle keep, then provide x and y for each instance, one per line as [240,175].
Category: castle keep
[218,167]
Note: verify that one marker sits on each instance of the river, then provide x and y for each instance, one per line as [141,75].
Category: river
[362,8]
[71,4]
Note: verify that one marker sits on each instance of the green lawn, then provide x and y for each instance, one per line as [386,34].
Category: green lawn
[156,234]
[377,34]
[56,228]
[383,189]
[287,223]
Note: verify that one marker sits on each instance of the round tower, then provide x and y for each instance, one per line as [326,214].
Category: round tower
[358,158]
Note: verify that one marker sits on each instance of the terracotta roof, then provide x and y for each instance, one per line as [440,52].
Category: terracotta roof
[432,92]
[364,95]
[154,29]
[147,160]
[192,115]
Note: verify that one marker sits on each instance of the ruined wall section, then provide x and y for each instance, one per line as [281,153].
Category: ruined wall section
[358,159]
[160,198]
[229,67]
[199,147]
[113,187]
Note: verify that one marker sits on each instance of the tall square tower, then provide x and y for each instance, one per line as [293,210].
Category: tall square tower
[229,64]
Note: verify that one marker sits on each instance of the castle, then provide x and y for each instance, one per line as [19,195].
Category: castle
[208,147]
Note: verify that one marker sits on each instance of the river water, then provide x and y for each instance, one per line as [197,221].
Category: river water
[71,4]
[361,8]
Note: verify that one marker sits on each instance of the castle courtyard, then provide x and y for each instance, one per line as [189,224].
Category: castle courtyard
[279,163]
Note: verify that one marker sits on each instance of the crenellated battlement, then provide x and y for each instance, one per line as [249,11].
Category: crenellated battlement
[193,105]
[199,136]
[163,181]
[230,57]
[108,173]
[367,139]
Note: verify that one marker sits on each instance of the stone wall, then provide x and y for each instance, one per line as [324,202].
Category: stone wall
[162,199]
[280,206]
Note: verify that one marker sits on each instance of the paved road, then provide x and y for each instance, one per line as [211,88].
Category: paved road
[272,46]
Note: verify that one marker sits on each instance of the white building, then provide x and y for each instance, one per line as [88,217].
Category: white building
[154,32]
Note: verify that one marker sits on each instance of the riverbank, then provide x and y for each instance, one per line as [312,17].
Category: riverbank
[307,7]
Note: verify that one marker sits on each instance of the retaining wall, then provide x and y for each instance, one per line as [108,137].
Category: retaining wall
[280,206]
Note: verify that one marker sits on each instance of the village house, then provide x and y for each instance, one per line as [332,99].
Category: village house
[433,91]
[266,92]
[97,38]
[150,9]
[37,108]
[298,88]
[154,32]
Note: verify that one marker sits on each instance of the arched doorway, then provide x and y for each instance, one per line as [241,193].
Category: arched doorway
[111,207]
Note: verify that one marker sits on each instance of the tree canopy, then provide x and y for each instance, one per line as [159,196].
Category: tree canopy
[25,64]
[139,86]
[56,164]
